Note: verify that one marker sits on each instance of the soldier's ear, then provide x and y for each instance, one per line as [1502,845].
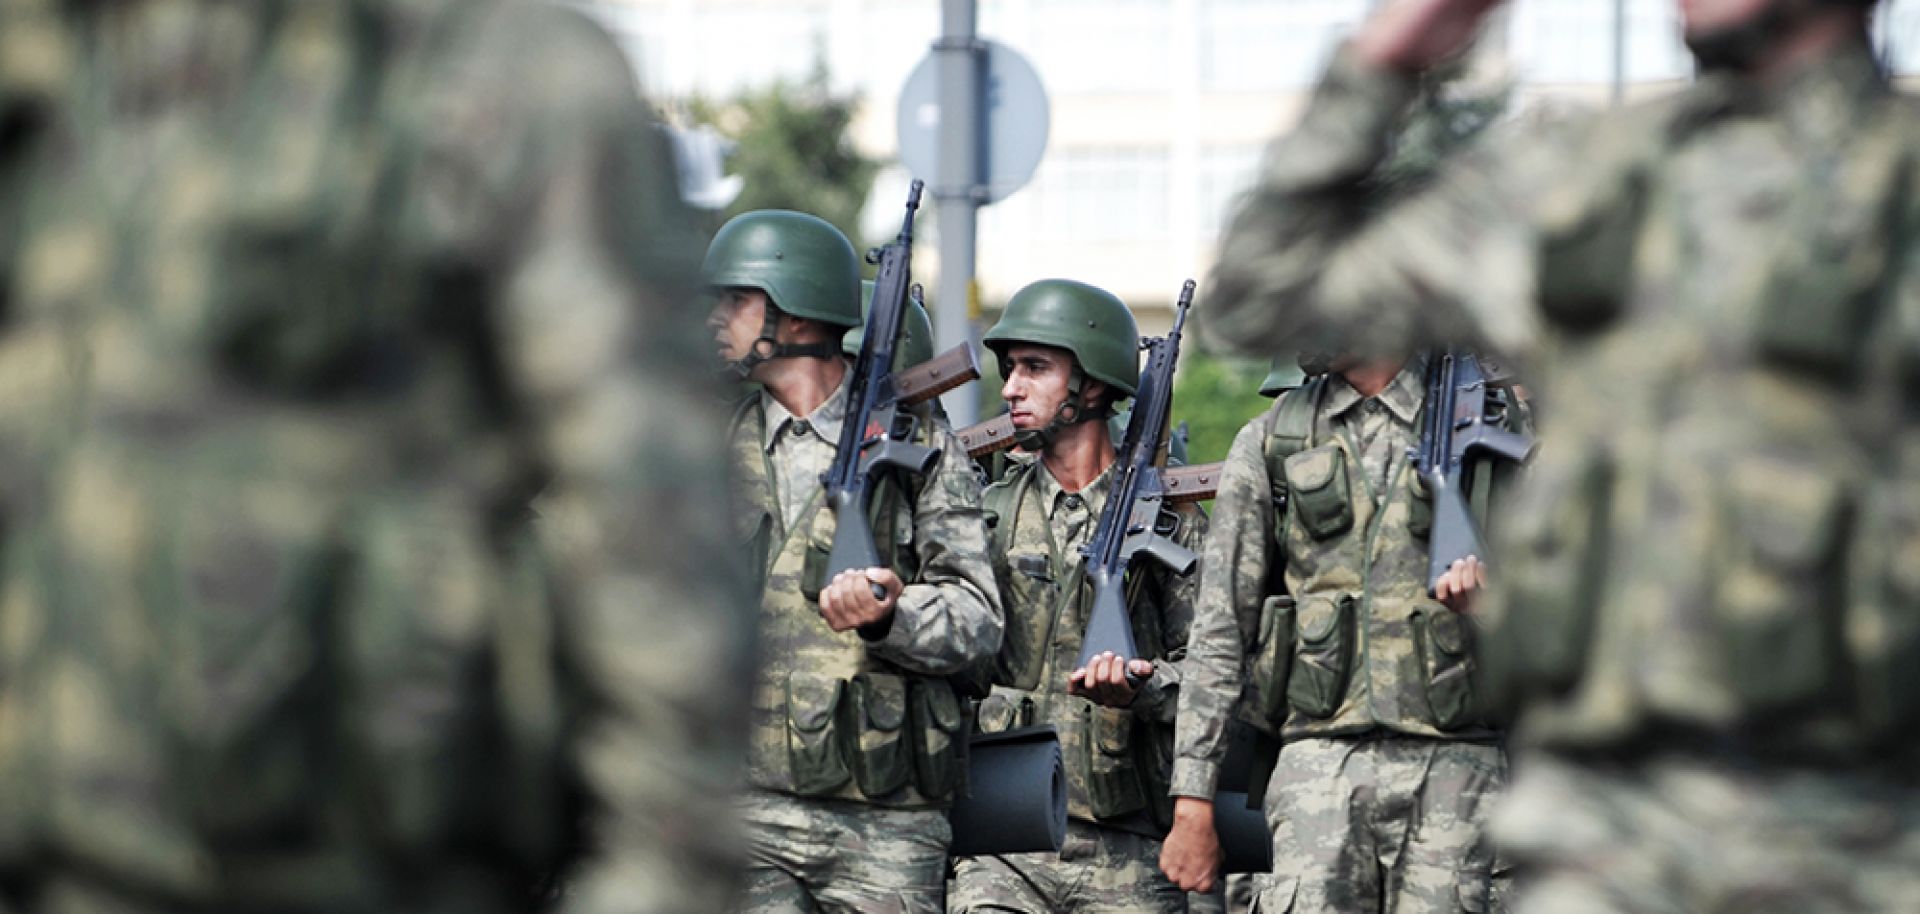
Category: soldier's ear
[1095,393]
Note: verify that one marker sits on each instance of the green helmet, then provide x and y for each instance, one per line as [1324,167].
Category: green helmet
[806,267]
[1089,322]
[1286,374]
[916,331]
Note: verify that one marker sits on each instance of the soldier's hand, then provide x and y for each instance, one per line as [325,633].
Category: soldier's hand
[1191,855]
[1456,588]
[847,602]
[1412,36]
[1104,680]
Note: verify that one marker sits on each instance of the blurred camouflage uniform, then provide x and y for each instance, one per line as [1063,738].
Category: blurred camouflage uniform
[1117,759]
[853,753]
[1710,604]
[1380,793]
[309,299]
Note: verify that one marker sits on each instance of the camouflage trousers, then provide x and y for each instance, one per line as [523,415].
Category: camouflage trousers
[1673,835]
[1385,824]
[1098,871]
[841,857]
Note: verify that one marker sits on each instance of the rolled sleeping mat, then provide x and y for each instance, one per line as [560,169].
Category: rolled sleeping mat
[1244,839]
[1015,801]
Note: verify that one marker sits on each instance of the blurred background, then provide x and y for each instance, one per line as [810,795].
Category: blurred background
[1159,112]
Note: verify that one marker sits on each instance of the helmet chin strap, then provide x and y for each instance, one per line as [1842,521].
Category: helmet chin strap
[1072,411]
[767,347]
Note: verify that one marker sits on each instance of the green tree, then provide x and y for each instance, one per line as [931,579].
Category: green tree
[1215,397]
[794,151]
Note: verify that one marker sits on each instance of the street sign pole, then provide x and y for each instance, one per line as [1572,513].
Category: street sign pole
[956,187]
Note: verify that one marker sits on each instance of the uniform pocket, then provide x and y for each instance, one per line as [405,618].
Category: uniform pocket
[1555,552]
[935,721]
[817,759]
[1113,780]
[1030,593]
[1883,622]
[1273,658]
[1317,481]
[813,570]
[1446,655]
[873,728]
[1778,583]
[1319,677]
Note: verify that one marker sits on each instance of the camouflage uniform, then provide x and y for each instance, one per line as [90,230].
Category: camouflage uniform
[1115,758]
[851,755]
[1716,550]
[302,302]
[1379,796]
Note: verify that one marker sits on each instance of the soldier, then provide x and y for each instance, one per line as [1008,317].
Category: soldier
[1068,352]
[1710,615]
[302,303]
[1379,795]
[852,755]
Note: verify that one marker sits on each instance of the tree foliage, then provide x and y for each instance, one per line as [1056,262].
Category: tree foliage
[794,150]
[1215,397]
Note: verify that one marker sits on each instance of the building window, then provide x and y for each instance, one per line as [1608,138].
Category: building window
[1101,46]
[1226,172]
[1572,41]
[1257,45]
[1101,194]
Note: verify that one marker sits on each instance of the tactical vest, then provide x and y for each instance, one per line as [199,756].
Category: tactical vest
[830,719]
[1119,765]
[1733,564]
[1352,642]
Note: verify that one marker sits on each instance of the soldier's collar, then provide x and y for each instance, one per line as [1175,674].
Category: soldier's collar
[824,422]
[1820,101]
[1052,493]
[1402,395]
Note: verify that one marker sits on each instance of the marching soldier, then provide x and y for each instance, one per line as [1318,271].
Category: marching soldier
[852,756]
[1314,582]
[1068,352]
[1709,615]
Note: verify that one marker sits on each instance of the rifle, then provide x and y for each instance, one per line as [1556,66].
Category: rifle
[876,433]
[1135,520]
[1462,414]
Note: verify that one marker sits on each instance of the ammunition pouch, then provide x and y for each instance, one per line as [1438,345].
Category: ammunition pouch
[1114,784]
[1324,657]
[1318,486]
[1779,584]
[818,760]
[880,731]
[872,728]
[1273,659]
[937,725]
[1445,641]
[1557,531]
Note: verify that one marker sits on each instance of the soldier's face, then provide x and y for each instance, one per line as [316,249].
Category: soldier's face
[736,320]
[1036,383]
[1707,17]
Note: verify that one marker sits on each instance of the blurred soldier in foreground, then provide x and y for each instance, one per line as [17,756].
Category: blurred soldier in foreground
[1315,585]
[853,752]
[303,302]
[1068,352]
[1710,610]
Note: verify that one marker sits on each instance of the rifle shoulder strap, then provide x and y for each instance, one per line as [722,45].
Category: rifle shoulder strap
[1290,433]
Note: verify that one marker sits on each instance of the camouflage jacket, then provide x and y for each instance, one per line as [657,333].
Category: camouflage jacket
[1716,294]
[303,301]
[1323,610]
[1116,759]
[817,687]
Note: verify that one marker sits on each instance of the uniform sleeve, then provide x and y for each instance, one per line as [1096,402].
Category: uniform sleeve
[1316,259]
[1234,568]
[547,194]
[1160,695]
[951,619]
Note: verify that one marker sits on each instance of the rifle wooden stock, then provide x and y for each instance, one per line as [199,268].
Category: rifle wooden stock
[1190,484]
[995,434]
[937,375]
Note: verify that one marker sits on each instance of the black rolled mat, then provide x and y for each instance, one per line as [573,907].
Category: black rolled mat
[1244,838]
[1016,797]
